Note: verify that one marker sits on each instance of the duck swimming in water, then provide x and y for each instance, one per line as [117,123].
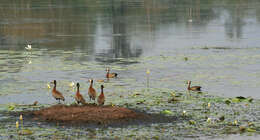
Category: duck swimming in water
[110,75]
[193,88]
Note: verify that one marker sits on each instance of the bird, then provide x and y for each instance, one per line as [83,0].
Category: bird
[193,88]
[56,94]
[35,103]
[78,97]
[110,75]
[101,97]
[91,91]
[29,47]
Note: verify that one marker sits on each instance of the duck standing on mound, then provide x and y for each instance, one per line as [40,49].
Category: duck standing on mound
[56,94]
[78,97]
[193,88]
[110,75]
[101,97]
[91,91]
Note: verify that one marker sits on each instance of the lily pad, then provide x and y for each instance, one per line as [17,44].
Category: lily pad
[25,132]
[166,112]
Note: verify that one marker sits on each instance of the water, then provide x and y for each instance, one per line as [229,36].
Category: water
[215,44]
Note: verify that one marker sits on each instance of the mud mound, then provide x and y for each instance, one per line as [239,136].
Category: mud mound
[86,114]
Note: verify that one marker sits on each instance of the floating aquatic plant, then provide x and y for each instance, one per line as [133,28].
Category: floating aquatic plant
[184,113]
[22,131]
[21,119]
[17,125]
[48,85]
[29,47]
[147,78]
[209,120]
[166,112]
[72,84]
[192,122]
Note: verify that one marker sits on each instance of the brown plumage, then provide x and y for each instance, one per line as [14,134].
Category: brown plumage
[56,94]
[110,75]
[193,88]
[78,97]
[91,91]
[101,97]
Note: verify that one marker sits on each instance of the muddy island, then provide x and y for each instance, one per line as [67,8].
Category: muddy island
[89,113]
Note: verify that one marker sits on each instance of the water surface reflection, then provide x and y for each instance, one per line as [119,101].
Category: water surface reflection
[76,40]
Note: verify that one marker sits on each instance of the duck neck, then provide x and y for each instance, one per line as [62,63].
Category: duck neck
[102,93]
[91,84]
[108,74]
[188,85]
[54,88]
[77,90]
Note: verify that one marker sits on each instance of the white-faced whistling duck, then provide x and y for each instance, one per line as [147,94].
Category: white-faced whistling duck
[110,75]
[193,88]
[56,94]
[101,97]
[78,97]
[91,91]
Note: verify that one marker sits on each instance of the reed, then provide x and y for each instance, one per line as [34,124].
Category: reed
[147,79]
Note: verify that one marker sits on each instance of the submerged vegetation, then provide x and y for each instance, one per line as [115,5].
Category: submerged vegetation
[195,115]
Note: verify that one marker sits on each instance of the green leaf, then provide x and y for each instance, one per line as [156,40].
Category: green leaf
[192,122]
[235,100]
[25,132]
[227,102]
[166,112]
[11,107]
[250,130]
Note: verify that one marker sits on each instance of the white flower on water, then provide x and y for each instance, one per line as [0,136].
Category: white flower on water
[235,122]
[184,112]
[209,120]
[147,71]
[48,85]
[21,117]
[72,84]
[17,124]
[29,47]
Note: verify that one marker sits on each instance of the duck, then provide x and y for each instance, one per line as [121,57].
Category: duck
[78,97]
[56,94]
[101,97]
[91,91]
[110,75]
[193,88]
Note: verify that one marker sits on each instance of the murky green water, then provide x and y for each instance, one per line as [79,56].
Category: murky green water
[215,44]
